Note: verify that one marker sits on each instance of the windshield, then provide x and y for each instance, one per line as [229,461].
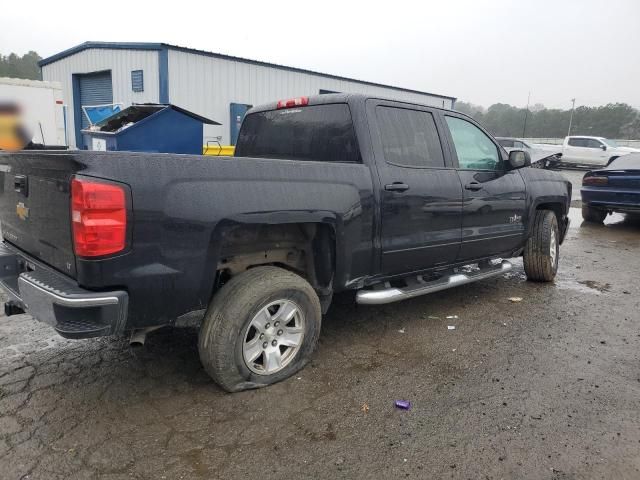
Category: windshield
[611,143]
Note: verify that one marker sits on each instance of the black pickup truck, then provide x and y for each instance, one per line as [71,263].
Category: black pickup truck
[324,194]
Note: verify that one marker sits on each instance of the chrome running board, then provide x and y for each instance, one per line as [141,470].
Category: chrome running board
[422,287]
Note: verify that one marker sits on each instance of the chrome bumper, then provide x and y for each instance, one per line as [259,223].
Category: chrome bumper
[53,298]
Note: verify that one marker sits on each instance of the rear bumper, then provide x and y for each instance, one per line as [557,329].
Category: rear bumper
[615,199]
[52,298]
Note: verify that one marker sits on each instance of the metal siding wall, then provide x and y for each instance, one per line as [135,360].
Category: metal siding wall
[120,62]
[208,85]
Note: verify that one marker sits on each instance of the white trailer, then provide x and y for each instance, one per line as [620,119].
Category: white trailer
[43,108]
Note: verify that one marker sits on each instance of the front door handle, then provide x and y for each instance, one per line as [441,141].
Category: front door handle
[473,186]
[396,187]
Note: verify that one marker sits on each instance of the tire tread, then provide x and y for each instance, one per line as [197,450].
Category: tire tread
[536,259]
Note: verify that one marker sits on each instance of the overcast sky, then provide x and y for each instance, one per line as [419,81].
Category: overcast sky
[478,51]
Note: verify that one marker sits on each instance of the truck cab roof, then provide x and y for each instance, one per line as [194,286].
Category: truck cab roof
[340,98]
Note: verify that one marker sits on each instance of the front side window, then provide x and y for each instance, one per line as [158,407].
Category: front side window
[321,133]
[409,137]
[591,143]
[474,148]
[506,143]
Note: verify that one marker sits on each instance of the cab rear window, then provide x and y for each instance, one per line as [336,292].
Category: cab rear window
[321,133]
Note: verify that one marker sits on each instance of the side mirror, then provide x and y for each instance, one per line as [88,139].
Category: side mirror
[519,159]
[603,147]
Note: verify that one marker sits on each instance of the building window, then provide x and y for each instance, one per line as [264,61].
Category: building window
[137,81]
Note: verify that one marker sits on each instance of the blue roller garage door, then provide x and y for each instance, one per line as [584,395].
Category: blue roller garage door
[95,89]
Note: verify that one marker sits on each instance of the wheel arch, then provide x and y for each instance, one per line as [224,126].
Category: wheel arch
[558,205]
[307,248]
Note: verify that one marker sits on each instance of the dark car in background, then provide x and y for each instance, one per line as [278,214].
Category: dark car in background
[615,188]
[548,157]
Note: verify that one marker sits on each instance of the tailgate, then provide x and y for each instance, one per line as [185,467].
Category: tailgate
[35,208]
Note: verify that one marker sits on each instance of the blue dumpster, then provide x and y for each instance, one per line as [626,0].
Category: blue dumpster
[163,128]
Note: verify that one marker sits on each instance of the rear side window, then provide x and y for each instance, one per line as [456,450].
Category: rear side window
[321,133]
[409,137]
[577,142]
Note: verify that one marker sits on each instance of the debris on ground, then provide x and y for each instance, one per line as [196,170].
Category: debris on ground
[403,404]
[515,299]
[451,327]
[438,318]
[365,408]
[452,316]
[401,330]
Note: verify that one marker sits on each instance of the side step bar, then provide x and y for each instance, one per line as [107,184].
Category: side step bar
[420,287]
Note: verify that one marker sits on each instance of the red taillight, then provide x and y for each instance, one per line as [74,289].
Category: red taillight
[293,102]
[99,218]
[595,181]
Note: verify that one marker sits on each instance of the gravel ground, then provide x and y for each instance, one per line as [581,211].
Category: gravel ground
[548,388]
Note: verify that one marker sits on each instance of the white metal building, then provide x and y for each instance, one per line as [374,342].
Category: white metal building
[219,87]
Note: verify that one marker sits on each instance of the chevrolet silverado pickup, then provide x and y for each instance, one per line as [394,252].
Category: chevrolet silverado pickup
[324,194]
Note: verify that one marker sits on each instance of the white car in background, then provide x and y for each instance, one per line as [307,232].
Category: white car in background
[589,151]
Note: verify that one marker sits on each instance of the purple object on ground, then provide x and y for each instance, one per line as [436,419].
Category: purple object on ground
[403,404]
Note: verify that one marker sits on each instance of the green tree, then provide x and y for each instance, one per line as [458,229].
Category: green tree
[20,67]
[614,120]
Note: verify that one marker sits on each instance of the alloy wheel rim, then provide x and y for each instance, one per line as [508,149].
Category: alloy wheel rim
[274,337]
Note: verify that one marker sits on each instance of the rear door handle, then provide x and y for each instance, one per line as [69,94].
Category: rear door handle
[396,187]
[473,186]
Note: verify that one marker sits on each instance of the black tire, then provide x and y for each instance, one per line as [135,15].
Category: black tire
[233,307]
[539,264]
[594,215]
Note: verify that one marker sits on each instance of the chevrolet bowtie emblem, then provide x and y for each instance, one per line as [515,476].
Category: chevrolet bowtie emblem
[22,211]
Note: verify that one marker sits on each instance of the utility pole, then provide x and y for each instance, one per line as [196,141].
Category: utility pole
[526,114]
[573,106]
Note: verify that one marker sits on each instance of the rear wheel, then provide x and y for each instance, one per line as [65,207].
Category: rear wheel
[595,215]
[542,249]
[261,327]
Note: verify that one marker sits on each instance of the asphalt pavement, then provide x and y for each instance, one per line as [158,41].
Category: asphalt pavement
[546,387]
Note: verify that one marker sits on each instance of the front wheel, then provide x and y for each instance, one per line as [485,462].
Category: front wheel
[542,249]
[261,327]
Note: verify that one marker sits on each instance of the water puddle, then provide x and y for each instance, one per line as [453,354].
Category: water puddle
[583,286]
